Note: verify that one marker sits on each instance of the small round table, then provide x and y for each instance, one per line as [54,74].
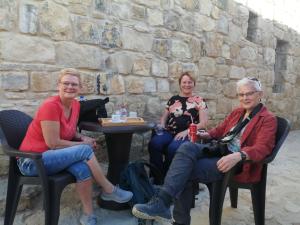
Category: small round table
[118,140]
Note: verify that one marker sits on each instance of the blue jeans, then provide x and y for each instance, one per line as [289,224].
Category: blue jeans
[189,164]
[162,149]
[73,159]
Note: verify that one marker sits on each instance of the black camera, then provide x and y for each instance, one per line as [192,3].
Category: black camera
[215,148]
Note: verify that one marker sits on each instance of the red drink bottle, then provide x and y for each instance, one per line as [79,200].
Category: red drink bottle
[193,132]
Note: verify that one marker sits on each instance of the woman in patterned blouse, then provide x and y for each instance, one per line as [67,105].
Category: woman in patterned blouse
[181,110]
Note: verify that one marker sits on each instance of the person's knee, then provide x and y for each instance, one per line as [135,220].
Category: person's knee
[187,148]
[81,171]
[88,151]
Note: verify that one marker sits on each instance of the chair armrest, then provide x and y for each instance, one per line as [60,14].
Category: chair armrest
[16,153]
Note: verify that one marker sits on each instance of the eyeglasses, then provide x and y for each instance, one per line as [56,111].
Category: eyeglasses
[66,84]
[248,94]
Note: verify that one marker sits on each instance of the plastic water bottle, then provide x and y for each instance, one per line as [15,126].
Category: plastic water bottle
[123,112]
[82,98]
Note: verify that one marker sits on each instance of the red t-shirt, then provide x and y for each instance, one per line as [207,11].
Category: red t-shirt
[50,110]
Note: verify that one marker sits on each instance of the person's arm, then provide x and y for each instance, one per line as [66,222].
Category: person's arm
[203,118]
[51,130]
[164,117]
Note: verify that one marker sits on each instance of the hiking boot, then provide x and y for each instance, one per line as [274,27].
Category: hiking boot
[88,219]
[118,195]
[154,209]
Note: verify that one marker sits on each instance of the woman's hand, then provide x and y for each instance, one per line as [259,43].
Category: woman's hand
[227,162]
[181,135]
[89,141]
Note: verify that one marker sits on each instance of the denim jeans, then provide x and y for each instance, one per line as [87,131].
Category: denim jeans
[189,164]
[162,149]
[72,159]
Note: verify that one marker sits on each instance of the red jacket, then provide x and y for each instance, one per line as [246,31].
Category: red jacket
[257,140]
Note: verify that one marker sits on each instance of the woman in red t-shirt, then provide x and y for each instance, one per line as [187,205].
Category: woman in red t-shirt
[53,133]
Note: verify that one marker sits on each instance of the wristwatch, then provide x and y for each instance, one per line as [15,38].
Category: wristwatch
[243,156]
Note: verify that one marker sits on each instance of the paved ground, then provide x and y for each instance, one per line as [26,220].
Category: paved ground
[282,204]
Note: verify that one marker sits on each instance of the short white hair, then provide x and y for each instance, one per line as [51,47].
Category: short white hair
[252,81]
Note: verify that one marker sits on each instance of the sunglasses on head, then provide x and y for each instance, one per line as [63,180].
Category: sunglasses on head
[254,79]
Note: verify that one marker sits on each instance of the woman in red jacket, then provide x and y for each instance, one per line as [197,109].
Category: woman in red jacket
[250,133]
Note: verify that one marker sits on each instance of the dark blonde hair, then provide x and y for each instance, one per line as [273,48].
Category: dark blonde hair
[189,75]
[69,71]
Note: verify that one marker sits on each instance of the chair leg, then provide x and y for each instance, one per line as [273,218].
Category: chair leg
[258,194]
[233,196]
[217,192]
[14,191]
[54,207]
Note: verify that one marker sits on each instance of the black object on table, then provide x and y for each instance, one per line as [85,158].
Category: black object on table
[118,141]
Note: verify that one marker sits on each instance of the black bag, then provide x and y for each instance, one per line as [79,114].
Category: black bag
[218,148]
[91,110]
[135,178]
[215,148]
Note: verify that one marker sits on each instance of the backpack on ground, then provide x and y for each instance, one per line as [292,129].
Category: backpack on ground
[135,178]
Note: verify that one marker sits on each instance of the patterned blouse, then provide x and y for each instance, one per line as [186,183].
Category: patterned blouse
[182,111]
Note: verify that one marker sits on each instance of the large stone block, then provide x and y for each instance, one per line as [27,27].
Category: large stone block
[163,85]
[149,85]
[43,81]
[121,62]
[269,56]
[141,66]
[55,21]
[206,7]
[69,54]
[154,107]
[8,15]
[121,10]
[134,85]
[111,83]
[15,81]
[229,89]
[189,5]
[88,83]
[28,18]
[207,66]
[148,3]
[155,17]
[237,72]
[248,53]
[180,49]
[222,25]
[26,49]
[213,45]
[138,12]
[172,21]
[87,30]
[162,47]
[204,23]
[159,68]
[142,42]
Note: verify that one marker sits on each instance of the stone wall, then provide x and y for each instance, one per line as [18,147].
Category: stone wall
[134,50]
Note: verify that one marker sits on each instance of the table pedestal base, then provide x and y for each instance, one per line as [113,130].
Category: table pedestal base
[118,147]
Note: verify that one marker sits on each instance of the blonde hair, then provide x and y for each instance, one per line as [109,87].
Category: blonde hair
[189,75]
[69,71]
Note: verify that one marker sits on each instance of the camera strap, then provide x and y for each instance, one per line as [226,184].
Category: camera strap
[241,124]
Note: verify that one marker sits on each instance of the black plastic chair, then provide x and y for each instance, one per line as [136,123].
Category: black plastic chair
[13,127]
[258,190]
